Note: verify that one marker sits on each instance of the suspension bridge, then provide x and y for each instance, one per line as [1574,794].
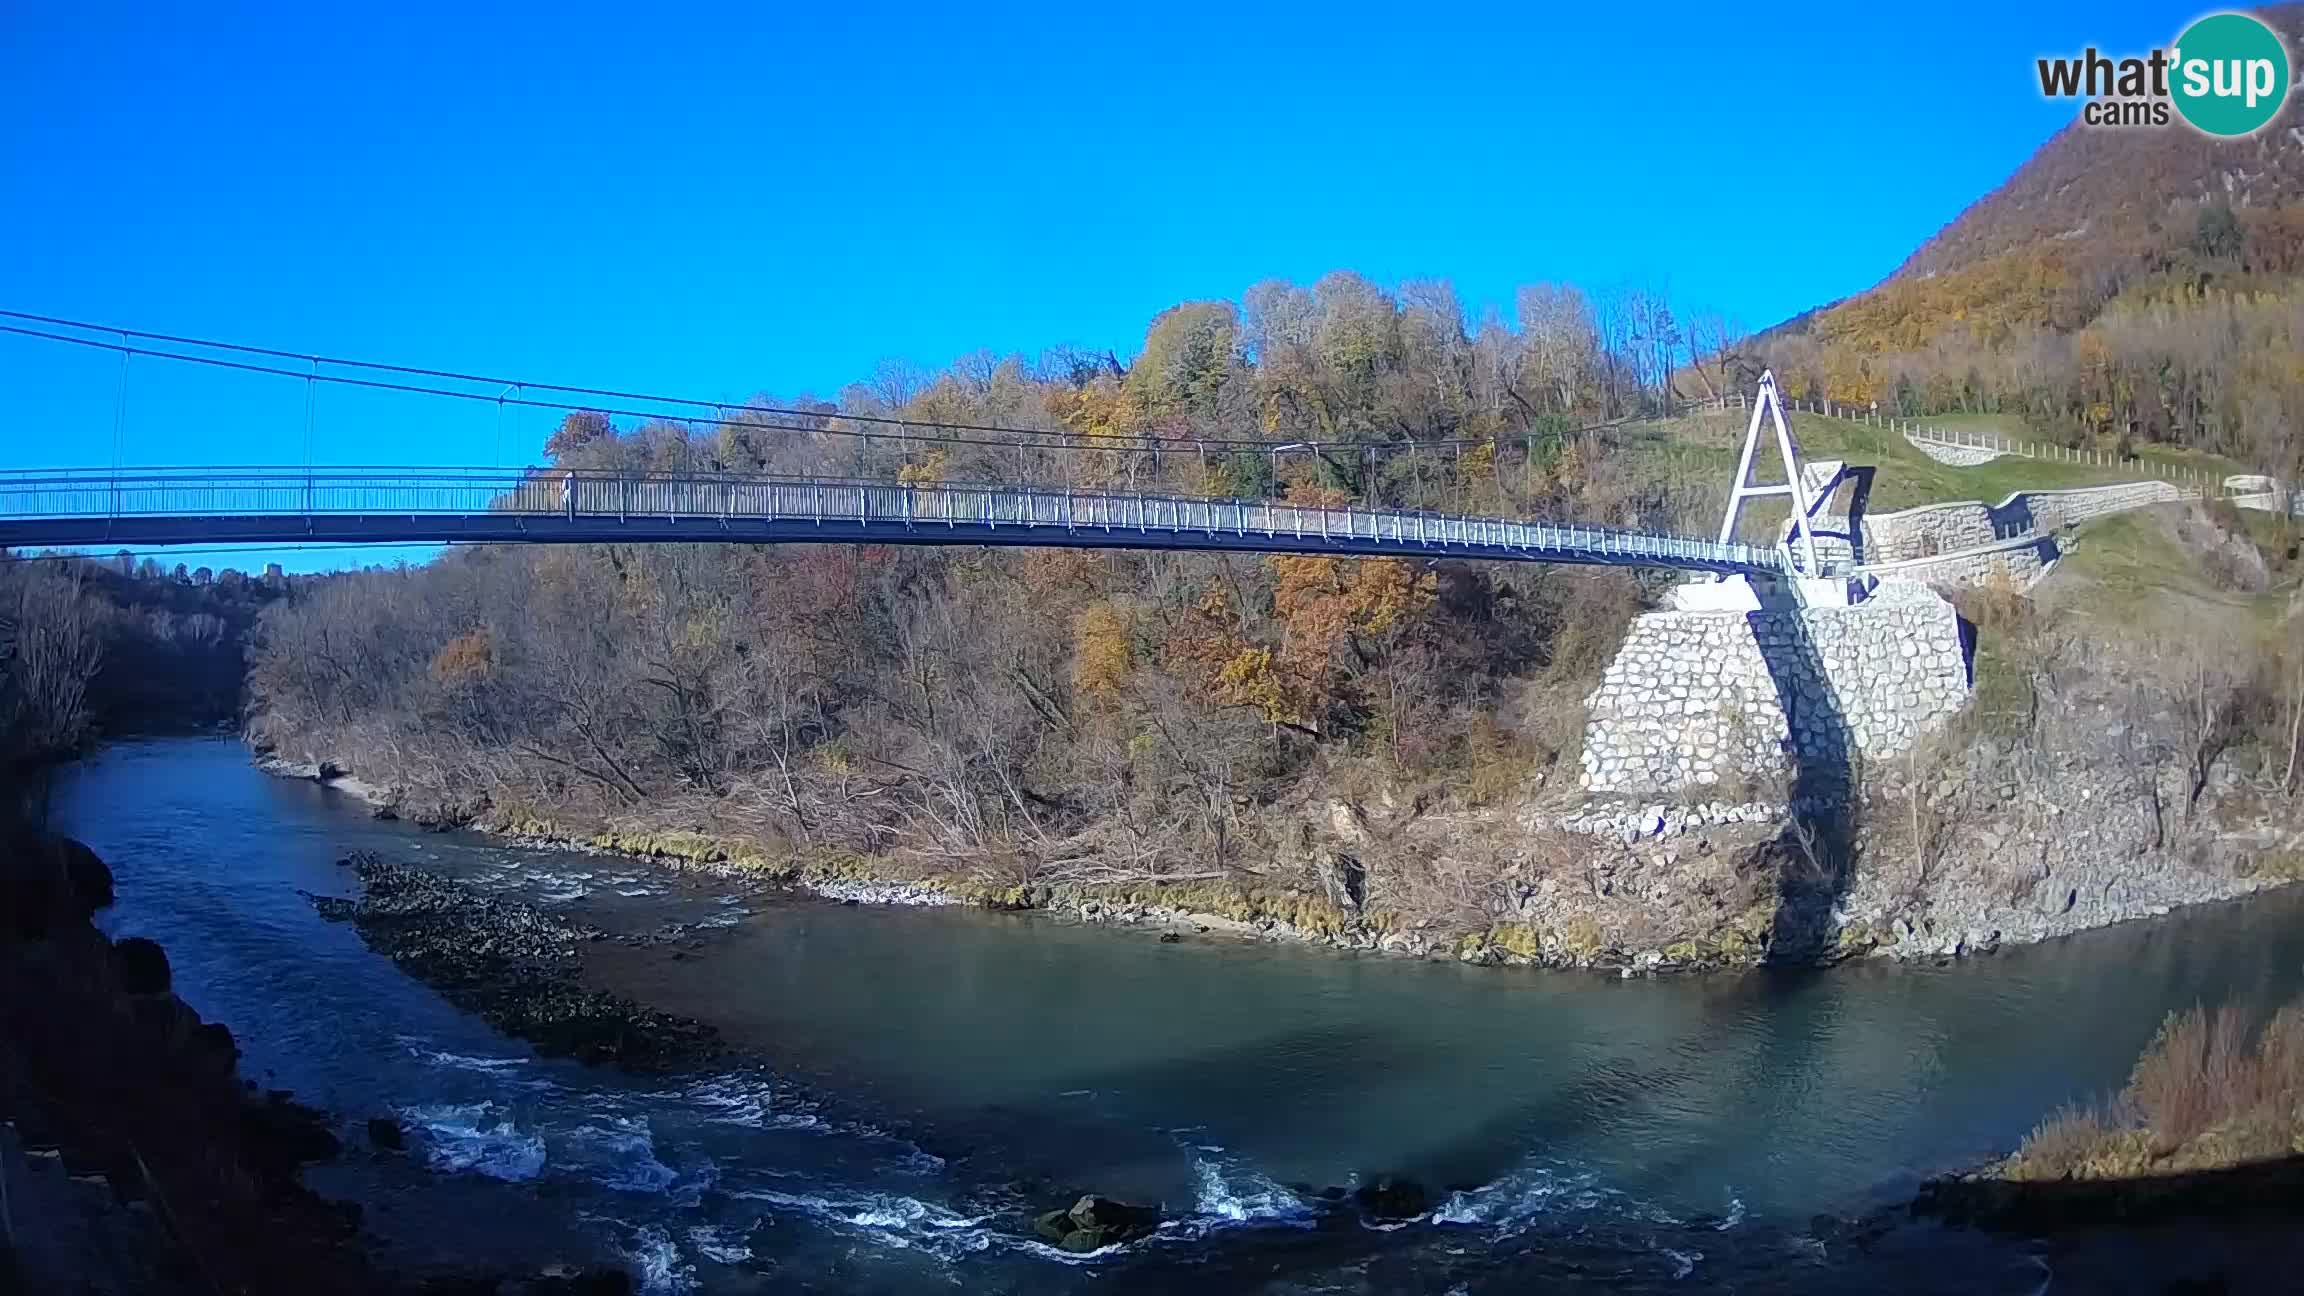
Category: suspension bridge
[134,508]
[121,506]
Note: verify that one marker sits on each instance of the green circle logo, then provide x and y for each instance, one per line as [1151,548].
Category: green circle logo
[2228,74]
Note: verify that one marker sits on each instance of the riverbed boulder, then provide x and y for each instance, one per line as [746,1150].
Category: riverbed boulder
[143,966]
[280,1134]
[385,1133]
[215,1047]
[47,883]
[570,1281]
[89,875]
[1093,1223]
[1391,1197]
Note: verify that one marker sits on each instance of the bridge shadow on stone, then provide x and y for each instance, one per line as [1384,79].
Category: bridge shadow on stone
[1820,745]
[1837,527]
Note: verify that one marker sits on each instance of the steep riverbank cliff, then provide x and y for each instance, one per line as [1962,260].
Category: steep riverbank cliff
[113,1086]
[2090,811]
[134,1159]
[2124,742]
[1372,752]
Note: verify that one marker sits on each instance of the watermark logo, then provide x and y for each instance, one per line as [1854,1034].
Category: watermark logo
[2227,75]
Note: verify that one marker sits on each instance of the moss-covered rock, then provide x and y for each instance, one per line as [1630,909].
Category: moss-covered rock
[1581,937]
[1857,938]
[1308,914]
[1519,940]
[667,844]
[1093,1223]
[2278,866]
[1744,939]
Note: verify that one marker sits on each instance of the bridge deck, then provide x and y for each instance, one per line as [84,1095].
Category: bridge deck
[372,505]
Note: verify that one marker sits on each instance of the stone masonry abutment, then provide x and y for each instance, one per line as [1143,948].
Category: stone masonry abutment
[1701,701]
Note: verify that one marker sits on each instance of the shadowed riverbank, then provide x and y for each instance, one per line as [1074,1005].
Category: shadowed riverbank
[934,1079]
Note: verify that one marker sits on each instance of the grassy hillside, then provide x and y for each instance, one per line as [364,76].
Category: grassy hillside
[2210,592]
[1699,452]
[2176,565]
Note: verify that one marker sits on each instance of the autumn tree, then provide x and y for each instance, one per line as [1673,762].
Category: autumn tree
[1190,353]
[1101,654]
[579,429]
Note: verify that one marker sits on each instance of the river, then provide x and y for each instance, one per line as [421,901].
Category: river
[930,1077]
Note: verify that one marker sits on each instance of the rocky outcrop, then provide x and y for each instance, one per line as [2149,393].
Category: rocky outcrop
[137,1162]
[515,966]
[1997,844]
[1625,884]
[2262,1194]
[110,1080]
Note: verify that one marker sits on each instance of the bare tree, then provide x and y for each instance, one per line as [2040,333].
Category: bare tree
[1561,341]
[50,647]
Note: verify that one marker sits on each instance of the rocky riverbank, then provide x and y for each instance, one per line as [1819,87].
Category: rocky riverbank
[517,967]
[2190,1180]
[1980,850]
[134,1158]
[1995,844]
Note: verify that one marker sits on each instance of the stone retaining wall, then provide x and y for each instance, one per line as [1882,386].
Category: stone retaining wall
[1906,541]
[2018,566]
[1695,700]
[1959,456]
[1944,528]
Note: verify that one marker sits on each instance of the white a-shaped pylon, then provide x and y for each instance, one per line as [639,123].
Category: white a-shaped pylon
[1771,406]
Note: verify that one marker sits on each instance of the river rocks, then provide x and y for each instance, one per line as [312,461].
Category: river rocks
[51,882]
[515,966]
[143,966]
[1390,1198]
[888,893]
[1093,1223]
[552,1280]
[1627,822]
[2266,1189]
[385,1133]
[88,875]
[280,1134]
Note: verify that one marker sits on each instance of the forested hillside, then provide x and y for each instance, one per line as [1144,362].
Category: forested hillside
[94,649]
[2092,186]
[2125,285]
[1086,714]
[1026,717]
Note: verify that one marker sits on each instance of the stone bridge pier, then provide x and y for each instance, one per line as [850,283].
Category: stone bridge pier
[1701,702]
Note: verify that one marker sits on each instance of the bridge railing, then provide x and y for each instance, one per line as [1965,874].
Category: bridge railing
[874,506]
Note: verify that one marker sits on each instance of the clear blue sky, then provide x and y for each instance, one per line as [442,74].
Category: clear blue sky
[734,200]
